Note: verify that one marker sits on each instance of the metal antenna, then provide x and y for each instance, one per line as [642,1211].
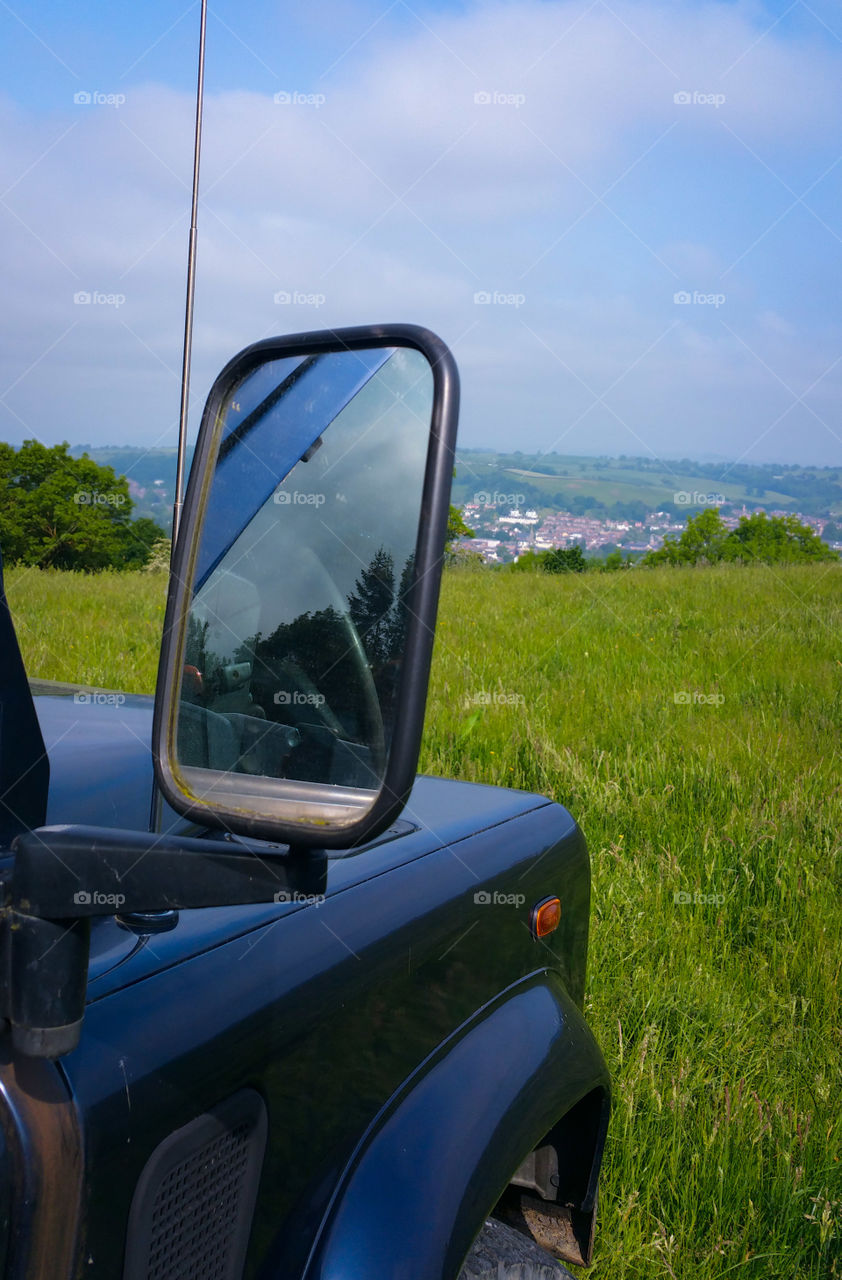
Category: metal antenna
[191,286]
[156,804]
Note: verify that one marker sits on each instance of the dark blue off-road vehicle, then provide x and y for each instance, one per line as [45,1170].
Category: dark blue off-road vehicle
[273,1006]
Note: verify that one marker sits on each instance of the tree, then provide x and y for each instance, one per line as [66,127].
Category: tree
[564,560]
[61,512]
[776,539]
[770,539]
[371,605]
[456,527]
[527,561]
[143,536]
[702,541]
[399,622]
[559,560]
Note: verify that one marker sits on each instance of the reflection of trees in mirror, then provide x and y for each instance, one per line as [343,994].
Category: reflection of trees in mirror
[305,674]
[371,607]
[380,614]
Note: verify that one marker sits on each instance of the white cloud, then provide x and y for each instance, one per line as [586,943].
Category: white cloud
[401,196]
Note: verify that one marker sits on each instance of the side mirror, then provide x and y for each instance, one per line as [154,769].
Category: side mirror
[302,601]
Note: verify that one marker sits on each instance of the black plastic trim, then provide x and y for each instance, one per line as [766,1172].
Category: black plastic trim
[244,1108]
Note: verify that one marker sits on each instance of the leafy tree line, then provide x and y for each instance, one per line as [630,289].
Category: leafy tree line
[557,560]
[758,537]
[61,512]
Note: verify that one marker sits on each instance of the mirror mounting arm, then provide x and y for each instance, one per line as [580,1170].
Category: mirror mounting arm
[63,876]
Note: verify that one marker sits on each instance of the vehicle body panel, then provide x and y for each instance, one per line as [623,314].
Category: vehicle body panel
[327,1011]
[523,1060]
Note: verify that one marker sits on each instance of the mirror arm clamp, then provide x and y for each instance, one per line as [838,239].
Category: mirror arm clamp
[63,876]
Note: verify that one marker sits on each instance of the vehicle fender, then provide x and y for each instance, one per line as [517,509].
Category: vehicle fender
[437,1159]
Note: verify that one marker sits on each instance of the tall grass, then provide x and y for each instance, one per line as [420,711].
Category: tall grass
[101,629]
[692,721]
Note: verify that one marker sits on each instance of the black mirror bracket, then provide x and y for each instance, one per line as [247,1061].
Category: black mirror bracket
[64,876]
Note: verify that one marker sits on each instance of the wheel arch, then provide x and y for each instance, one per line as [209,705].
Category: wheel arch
[524,1071]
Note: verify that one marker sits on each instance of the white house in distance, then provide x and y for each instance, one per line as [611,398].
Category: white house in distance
[515,517]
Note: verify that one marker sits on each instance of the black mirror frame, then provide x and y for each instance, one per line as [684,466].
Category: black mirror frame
[423,597]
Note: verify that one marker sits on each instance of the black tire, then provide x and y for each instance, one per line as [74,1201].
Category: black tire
[501,1253]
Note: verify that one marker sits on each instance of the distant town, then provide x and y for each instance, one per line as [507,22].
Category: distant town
[519,502]
[503,534]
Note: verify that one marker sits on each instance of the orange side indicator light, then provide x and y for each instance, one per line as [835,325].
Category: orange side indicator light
[545,917]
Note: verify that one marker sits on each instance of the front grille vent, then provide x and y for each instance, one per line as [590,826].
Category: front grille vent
[192,1209]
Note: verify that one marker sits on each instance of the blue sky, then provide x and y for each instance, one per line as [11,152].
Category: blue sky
[538,182]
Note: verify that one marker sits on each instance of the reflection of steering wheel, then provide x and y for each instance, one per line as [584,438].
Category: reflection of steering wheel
[374,715]
[321,715]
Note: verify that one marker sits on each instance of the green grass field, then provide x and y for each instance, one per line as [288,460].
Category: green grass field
[99,629]
[692,722]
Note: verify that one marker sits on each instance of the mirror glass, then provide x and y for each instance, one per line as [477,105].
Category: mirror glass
[295,633]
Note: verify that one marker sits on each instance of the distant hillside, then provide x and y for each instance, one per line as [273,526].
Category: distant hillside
[626,488]
[631,487]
